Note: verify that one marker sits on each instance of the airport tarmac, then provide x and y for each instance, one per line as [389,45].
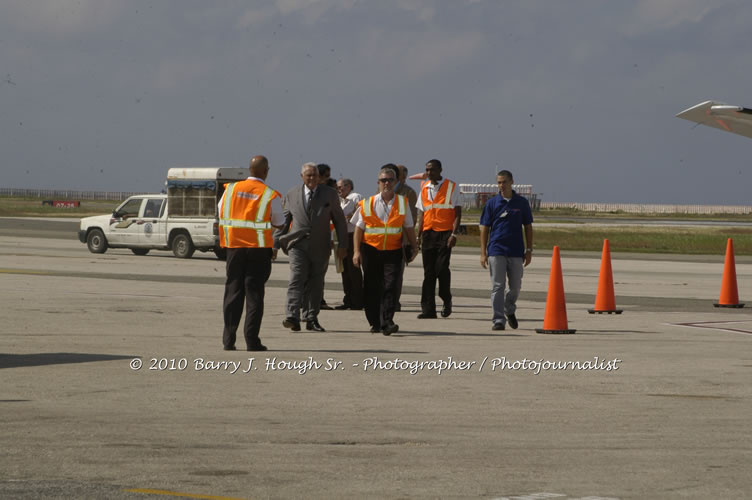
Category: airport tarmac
[115,384]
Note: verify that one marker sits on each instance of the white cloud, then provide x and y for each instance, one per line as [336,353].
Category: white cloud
[172,73]
[255,17]
[312,10]
[423,12]
[412,56]
[653,15]
[61,17]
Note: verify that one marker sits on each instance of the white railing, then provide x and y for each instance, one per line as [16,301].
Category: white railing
[523,189]
[638,208]
[66,194]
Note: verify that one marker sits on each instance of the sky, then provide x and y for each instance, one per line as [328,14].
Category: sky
[576,97]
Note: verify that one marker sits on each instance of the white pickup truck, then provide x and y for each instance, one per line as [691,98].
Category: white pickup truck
[183,220]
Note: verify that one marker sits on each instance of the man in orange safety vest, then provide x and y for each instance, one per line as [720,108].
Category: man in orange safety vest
[379,224]
[247,212]
[439,216]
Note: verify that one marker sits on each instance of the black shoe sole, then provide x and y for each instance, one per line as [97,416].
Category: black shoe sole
[388,330]
[295,327]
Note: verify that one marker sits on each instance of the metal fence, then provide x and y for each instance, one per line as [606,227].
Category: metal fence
[636,208]
[472,195]
[67,194]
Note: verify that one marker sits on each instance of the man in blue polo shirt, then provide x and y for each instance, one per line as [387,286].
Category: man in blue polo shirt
[502,249]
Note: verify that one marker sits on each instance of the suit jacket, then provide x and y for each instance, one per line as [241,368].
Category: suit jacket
[299,226]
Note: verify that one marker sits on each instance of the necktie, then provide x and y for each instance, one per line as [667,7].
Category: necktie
[310,205]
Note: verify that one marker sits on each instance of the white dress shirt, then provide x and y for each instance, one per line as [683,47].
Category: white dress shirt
[349,205]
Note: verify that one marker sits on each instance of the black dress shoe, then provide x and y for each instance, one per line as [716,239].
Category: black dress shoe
[427,316]
[230,348]
[446,310]
[341,308]
[389,328]
[512,319]
[313,325]
[258,347]
[291,323]
[325,307]
[375,329]
[497,326]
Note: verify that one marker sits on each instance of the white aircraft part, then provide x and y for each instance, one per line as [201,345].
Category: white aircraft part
[734,119]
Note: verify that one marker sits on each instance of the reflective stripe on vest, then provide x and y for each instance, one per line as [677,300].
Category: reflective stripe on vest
[383,229]
[438,216]
[226,204]
[447,201]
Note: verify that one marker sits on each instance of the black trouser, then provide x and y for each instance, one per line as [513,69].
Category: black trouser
[436,255]
[381,270]
[248,269]
[352,279]
[405,250]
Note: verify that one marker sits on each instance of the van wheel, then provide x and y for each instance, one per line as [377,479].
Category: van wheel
[96,241]
[140,251]
[221,253]
[182,246]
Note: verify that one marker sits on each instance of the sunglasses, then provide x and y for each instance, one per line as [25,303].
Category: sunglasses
[387,179]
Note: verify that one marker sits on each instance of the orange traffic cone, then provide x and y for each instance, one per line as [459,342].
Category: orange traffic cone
[555,320]
[604,298]
[729,292]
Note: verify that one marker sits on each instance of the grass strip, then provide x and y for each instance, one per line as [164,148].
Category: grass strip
[638,239]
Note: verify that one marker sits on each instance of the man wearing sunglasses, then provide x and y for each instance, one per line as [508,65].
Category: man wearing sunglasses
[380,222]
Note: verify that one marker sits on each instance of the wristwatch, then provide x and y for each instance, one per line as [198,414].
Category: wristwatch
[528,250]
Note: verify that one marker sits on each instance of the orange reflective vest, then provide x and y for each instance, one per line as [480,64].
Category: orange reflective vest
[438,215]
[384,236]
[245,215]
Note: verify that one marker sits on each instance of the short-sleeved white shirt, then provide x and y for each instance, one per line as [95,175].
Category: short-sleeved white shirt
[381,208]
[432,189]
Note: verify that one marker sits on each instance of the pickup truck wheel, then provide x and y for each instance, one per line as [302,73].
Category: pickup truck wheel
[96,241]
[182,246]
[140,251]
[221,253]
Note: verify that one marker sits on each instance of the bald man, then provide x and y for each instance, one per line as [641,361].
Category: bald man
[248,211]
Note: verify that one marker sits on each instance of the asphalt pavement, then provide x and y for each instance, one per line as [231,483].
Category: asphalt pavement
[115,384]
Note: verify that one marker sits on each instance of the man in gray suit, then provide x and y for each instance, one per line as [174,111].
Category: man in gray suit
[305,237]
